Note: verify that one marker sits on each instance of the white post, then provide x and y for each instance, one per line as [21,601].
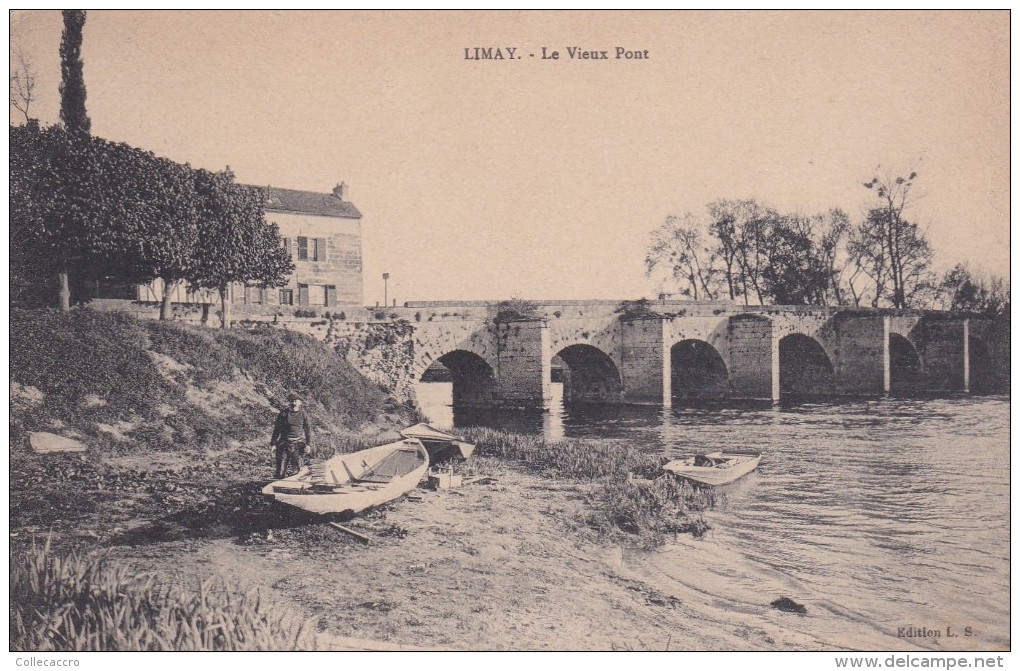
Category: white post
[775,365]
[966,356]
[886,372]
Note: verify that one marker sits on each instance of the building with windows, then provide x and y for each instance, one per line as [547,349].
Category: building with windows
[322,232]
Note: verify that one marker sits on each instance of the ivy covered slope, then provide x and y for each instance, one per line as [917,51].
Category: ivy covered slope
[126,386]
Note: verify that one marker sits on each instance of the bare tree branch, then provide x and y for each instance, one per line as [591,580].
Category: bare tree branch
[22,84]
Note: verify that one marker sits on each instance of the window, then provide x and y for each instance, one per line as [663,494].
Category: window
[286,244]
[330,296]
[316,294]
[320,250]
[302,248]
[254,295]
[286,297]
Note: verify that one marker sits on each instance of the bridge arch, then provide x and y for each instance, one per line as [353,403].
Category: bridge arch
[474,380]
[697,371]
[906,374]
[589,375]
[804,367]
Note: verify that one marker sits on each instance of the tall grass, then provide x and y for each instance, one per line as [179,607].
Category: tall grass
[79,602]
[576,459]
[633,500]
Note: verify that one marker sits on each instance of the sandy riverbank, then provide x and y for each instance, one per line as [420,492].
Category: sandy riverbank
[499,566]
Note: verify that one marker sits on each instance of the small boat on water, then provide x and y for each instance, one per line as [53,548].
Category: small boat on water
[715,468]
[353,482]
[441,445]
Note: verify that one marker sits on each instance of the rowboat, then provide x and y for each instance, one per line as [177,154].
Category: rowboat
[715,468]
[441,445]
[353,482]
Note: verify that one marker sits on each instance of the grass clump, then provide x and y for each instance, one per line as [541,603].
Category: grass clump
[575,459]
[79,602]
[633,500]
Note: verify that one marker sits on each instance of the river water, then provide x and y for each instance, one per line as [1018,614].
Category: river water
[890,515]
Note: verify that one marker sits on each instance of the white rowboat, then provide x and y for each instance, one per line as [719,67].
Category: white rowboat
[715,468]
[353,482]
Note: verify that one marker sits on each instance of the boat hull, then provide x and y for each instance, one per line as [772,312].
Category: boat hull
[440,445]
[351,483]
[736,466]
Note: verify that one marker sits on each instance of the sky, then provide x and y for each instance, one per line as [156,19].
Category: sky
[543,178]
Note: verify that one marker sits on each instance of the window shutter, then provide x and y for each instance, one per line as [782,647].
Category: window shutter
[330,296]
[302,249]
[303,294]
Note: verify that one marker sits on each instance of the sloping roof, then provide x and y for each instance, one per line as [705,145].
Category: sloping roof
[309,202]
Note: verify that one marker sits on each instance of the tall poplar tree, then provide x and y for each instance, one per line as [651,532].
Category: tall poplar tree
[72,78]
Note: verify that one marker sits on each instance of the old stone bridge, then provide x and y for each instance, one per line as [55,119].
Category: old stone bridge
[681,351]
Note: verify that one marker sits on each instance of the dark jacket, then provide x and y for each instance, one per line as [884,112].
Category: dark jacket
[291,426]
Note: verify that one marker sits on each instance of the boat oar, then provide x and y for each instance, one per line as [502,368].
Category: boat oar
[351,532]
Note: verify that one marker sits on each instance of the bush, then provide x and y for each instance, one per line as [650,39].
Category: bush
[633,310]
[80,602]
[516,310]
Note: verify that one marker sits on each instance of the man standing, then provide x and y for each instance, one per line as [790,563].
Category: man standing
[292,434]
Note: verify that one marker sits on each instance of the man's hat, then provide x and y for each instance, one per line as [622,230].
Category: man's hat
[294,397]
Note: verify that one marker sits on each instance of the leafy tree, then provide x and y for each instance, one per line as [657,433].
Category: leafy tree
[57,200]
[155,234]
[32,267]
[235,244]
[742,228]
[889,249]
[79,202]
[830,233]
[72,80]
[804,259]
[677,247]
[789,275]
[965,291]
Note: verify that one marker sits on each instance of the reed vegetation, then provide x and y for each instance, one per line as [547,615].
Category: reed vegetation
[79,602]
[632,500]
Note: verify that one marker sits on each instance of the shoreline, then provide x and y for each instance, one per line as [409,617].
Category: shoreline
[503,565]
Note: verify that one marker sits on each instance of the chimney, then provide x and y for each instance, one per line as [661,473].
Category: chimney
[340,191]
[229,173]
